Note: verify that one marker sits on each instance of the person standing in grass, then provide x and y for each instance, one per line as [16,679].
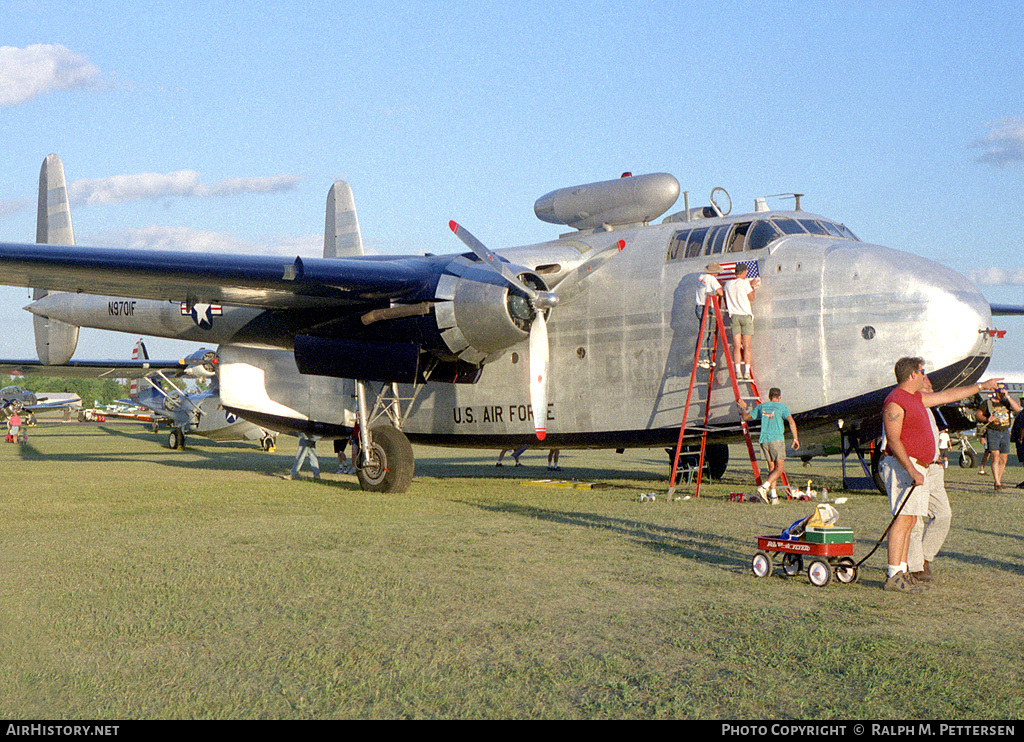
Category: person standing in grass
[773,415]
[910,449]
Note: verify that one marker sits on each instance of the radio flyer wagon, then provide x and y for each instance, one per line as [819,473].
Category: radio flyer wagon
[827,549]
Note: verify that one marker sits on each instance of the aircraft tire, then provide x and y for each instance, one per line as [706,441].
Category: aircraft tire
[876,460]
[717,457]
[176,439]
[968,458]
[390,464]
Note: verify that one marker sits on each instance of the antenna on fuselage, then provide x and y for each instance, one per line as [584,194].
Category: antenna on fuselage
[795,196]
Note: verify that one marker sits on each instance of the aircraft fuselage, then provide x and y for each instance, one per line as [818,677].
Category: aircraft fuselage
[830,318]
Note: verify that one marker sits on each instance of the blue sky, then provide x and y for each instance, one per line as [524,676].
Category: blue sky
[222,125]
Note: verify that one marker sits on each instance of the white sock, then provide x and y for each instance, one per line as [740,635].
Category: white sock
[895,570]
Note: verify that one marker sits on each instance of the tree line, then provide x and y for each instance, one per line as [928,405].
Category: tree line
[90,390]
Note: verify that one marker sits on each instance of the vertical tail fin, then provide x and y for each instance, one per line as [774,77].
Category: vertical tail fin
[55,341]
[139,353]
[341,230]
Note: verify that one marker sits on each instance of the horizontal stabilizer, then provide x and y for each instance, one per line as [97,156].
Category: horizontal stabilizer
[1007,310]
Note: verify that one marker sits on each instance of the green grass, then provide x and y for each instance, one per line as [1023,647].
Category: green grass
[140,582]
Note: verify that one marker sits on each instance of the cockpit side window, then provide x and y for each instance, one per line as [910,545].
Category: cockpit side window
[762,233]
[848,234]
[696,243]
[677,244]
[833,229]
[737,240]
[716,242]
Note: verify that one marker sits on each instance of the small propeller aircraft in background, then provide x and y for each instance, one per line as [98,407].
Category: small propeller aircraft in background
[159,396]
[586,340]
[15,399]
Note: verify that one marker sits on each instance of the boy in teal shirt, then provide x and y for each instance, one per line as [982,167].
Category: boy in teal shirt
[773,416]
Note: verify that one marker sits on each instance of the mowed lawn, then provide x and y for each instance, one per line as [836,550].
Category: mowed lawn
[140,582]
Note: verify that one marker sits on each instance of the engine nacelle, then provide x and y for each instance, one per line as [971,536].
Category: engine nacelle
[478,315]
[628,200]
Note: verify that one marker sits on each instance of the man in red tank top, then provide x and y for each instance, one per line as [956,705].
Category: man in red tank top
[911,448]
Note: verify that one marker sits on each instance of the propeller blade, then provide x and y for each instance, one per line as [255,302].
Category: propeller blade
[490,258]
[570,286]
[539,374]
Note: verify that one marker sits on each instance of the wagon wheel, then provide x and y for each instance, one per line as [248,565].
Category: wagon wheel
[792,564]
[761,565]
[846,571]
[819,573]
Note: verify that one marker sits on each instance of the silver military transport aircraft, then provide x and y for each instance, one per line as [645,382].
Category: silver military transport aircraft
[586,340]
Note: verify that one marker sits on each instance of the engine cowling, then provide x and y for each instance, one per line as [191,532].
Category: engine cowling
[478,314]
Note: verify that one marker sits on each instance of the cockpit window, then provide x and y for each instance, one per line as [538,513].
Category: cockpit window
[833,229]
[738,238]
[789,226]
[716,242]
[763,232]
[814,227]
[696,243]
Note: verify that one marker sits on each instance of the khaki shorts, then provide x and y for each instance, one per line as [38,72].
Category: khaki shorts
[897,483]
[774,450]
[742,324]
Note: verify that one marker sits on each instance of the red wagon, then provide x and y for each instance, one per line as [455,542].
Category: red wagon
[828,551]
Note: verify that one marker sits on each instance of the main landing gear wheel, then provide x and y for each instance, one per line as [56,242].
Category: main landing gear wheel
[717,457]
[792,564]
[268,443]
[176,439]
[968,458]
[819,573]
[846,571]
[876,475]
[389,463]
[761,564]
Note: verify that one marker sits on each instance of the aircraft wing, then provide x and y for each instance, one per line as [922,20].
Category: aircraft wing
[245,280]
[111,369]
[1007,310]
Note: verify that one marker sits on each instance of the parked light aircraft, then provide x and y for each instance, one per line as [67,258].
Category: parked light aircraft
[157,387]
[462,349]
[15,399]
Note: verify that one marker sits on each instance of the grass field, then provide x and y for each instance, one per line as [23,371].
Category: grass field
[140,582]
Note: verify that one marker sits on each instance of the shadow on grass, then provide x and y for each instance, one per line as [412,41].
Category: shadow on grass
[721,551]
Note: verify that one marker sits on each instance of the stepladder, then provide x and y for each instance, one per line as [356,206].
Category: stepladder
[711,349]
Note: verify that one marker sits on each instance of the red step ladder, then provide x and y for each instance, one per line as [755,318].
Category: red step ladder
[719,338]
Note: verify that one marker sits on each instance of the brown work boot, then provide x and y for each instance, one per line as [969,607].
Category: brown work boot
[913,578]
[901,582]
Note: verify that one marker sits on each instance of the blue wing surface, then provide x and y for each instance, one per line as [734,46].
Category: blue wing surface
[245,280]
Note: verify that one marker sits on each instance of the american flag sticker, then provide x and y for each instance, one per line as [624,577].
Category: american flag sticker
[729,270]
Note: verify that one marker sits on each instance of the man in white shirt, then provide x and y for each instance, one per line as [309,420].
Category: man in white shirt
[738,294]
[707,284]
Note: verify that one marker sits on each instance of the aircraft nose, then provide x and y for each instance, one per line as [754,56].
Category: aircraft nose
[909,306]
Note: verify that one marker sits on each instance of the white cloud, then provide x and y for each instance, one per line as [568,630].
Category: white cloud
[9,207]
[147,186]
[41,68]
[998,277]
[1004,143]
[186,239]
